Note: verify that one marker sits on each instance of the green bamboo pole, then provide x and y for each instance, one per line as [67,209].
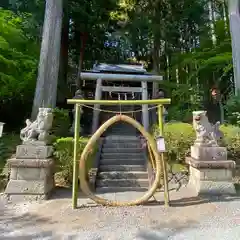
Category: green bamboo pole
[75,162]
[165,174]
[122,102]
[160,119]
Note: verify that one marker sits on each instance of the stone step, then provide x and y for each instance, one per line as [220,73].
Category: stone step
[122,150]
[122,161]
[110,168]
[120,155]
[123,128]
[119,138]
[125,145]
[120,132]
[100,190]
[123,175]
[122,183]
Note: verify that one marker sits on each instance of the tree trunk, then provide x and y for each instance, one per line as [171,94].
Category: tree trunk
[156,65]
[48,70]
[63,71]
[80,63]
[234,20]
[212,21]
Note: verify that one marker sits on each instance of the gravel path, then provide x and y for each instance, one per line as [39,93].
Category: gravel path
[189,218]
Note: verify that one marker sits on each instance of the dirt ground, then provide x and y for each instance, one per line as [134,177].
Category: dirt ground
[55,217]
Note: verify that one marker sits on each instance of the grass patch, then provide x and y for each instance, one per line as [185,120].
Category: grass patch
[8,144]
[178,167]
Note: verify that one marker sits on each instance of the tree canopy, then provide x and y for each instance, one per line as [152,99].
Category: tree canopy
[186,41]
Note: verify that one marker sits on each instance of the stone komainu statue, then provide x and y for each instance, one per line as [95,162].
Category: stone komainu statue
[39,129]
[206,133]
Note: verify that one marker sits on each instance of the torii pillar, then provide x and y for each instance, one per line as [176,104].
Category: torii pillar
[234,20]
[47,81]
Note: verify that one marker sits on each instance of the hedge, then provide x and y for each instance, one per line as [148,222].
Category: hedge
[63,155]
[180,137]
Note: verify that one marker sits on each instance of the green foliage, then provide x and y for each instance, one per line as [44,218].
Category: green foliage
[18,65]
[180,137]
[17,58]
[8,145]
[63,154]
[232,141]
[185,99]
[232,108]
[61,122]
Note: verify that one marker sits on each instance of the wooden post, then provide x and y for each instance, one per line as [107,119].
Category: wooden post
[145,114]
[234,20]
[75,161]
[96,113]
[48,70]
[165,173]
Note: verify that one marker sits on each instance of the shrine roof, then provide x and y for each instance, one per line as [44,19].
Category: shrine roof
[119,68]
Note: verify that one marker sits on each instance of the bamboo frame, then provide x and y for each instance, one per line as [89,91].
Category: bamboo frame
[75,162]
[165,175]
[120,102]
[78,102]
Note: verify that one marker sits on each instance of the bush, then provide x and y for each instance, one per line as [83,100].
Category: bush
[232,108]
[175,113]
[179,138]
[61,122]
[8,145]
[232,140]
[63,154]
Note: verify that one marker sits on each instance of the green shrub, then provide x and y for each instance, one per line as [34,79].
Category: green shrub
[63,154]
[176,113]
[61,123]
[232,108]
[232,140]
[179,138]
[8,145]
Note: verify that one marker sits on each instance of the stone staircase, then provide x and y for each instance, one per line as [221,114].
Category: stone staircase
[122,165]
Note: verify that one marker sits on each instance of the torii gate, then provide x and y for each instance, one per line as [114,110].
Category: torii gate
[45,96]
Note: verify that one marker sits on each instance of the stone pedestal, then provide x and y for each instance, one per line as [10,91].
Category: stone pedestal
[31,173]
[211,177]
[208,153]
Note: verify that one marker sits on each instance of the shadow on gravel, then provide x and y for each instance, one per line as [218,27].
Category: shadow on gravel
[21,227]
[65,193]
[166,230]
[191,201]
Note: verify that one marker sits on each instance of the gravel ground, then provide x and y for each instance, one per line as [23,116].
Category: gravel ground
[189,218]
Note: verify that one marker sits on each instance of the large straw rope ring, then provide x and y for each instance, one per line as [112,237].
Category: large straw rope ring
[158,161]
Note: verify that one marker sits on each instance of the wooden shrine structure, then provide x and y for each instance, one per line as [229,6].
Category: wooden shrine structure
[119,82]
